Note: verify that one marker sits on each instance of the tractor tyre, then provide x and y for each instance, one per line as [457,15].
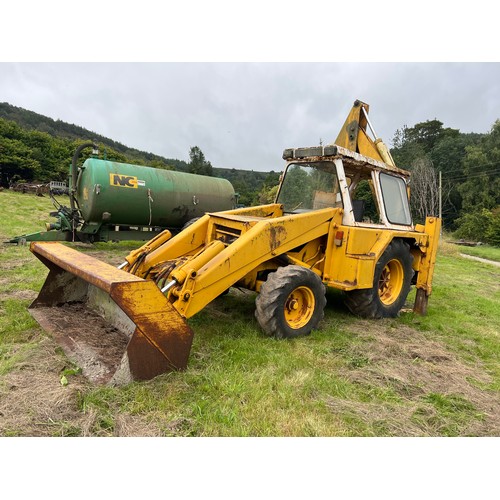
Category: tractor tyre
[291,302]
[391,285]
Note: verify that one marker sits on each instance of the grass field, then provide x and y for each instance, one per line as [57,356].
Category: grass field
[483,251]
[436,375]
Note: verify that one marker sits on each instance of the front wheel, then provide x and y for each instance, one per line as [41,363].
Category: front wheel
[291,302]
[391,285]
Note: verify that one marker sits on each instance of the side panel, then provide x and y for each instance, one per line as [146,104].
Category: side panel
[353,253]
[360,241]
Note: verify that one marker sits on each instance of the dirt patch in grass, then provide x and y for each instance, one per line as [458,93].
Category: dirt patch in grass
[428,387]
[33,402]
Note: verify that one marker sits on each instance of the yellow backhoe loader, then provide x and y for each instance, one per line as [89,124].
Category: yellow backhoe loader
[341,219]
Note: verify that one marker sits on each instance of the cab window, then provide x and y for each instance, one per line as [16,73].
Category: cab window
[310,186]
[395,198]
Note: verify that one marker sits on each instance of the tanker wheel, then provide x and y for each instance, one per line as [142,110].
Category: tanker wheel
[291,302]
[391,285]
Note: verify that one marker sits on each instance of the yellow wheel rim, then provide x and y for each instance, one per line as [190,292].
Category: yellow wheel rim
[390,282]
[299,307]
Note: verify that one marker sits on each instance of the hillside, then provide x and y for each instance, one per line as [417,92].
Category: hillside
[35,147]
[29,120]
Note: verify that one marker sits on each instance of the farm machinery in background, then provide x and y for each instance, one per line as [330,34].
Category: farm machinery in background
[119,201]
[314,236]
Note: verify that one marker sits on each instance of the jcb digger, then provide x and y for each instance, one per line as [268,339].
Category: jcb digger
[129,323]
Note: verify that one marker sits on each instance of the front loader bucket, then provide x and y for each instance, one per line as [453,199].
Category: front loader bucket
[115,326]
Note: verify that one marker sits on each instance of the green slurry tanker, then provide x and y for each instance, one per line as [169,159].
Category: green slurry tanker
[120,201]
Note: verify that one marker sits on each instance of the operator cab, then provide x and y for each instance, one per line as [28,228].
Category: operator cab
[370,193]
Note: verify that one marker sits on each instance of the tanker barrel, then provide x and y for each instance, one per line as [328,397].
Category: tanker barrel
[115,326]
[134,195]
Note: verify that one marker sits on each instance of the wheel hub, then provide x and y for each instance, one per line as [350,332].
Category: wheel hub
[390,282]
[299,307]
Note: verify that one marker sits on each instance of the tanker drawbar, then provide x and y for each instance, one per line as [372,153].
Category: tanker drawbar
[115,326]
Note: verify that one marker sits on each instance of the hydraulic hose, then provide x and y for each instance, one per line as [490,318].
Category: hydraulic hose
[74,172]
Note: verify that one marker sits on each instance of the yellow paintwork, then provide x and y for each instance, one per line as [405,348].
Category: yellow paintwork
[429,253]
[299,307]
[352,265]
[209,267]
[157,323]
[191,240]
[239,247]
[260,241]
[149,246]
[384,152]
[391,282]
[360,239]
[93,271]
[353,136]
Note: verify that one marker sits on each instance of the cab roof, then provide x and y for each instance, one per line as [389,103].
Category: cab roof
[332,151]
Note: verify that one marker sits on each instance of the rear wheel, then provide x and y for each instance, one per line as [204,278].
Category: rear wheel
[291,302]
[391,285]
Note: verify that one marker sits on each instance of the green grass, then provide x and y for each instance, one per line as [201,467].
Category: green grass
[436,375]
[27,213]
[464,310]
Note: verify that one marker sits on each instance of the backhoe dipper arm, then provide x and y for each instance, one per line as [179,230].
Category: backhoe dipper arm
[353,135]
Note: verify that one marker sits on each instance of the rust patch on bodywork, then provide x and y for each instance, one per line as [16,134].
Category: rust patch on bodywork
[277,235]
[123,327]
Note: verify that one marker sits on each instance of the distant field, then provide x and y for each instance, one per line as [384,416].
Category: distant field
[436,375]
[483,251]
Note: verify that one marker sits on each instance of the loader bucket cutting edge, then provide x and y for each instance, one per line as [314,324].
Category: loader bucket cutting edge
[116,326]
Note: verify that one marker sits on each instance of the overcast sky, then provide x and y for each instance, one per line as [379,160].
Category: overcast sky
[242,115]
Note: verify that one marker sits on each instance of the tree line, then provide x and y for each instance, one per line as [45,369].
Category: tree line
[34,147]
[469,166]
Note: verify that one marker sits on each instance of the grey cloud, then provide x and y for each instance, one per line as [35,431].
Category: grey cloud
[243,115]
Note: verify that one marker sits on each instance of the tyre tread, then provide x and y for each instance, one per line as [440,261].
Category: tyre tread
[268,303]
[366,303]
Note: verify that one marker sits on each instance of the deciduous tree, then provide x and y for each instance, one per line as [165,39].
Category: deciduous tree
[198,164]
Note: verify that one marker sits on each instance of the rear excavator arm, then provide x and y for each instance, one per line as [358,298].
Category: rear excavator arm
[353,135]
